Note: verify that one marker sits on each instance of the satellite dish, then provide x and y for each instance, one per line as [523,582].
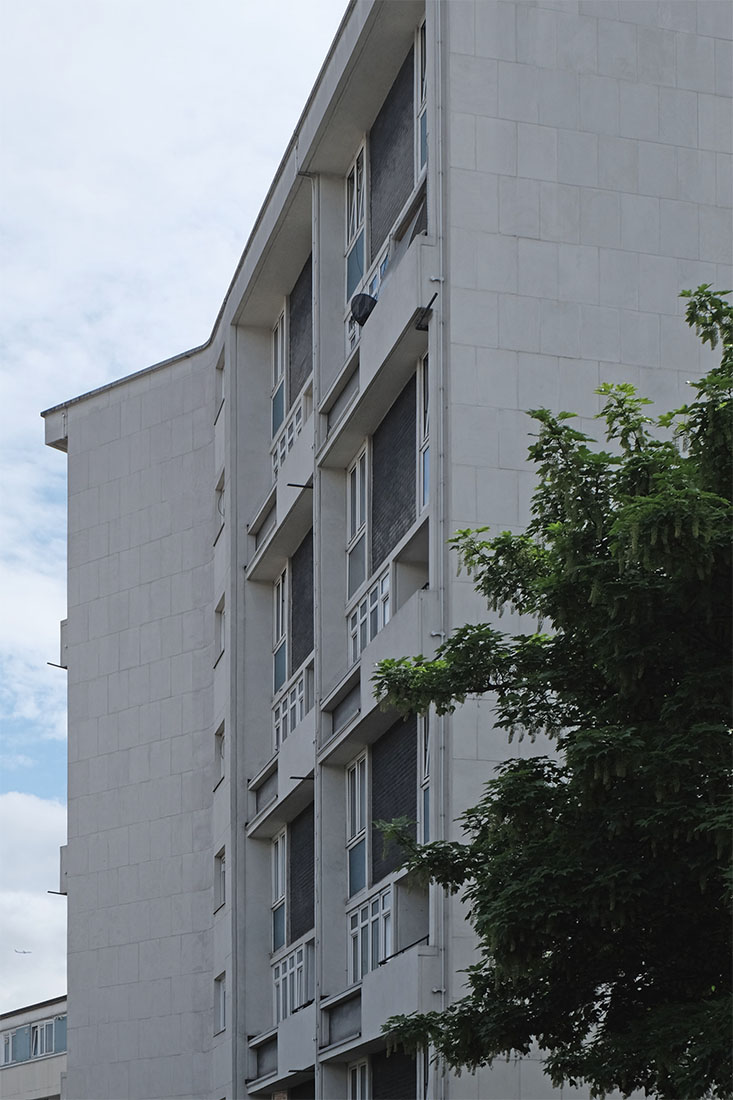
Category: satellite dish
[361,307]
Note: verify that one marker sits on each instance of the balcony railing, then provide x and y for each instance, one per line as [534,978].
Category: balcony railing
[293,981]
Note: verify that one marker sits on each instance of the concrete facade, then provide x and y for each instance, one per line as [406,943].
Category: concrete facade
[577,177]
[33,1051]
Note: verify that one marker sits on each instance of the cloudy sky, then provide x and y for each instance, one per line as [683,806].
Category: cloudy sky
[137,141]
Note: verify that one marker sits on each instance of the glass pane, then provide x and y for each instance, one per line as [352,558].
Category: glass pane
[350,206]
[355,266]
[278,927]
[353,1085]
[376,957]
[362,793]
[374,622]
[362,1081]
[279,663]
[425,475]
[423,139]
[387,928]
[278,407]
[357,566]
[353,825]
[426,815]
[362,490]
[357,868]
[353,504]
[365,952]
[360,188]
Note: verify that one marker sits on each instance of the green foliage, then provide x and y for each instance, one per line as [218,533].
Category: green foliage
[598,881]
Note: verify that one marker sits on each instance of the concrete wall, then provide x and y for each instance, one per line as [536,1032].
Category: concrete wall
[587,183]
[140,760]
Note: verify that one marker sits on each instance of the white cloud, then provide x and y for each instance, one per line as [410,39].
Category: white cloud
[31,920]
[138,141]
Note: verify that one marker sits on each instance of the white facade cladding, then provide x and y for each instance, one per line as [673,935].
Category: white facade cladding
[524,188]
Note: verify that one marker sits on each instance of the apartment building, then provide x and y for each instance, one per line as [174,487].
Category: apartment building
[33,1051]
[485,207]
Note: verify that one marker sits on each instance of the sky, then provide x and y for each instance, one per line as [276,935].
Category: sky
[138,139]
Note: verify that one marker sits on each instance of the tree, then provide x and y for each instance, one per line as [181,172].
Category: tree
[598,880]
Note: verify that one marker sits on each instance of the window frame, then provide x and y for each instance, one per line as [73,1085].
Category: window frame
[424,750]
[358,516]
[355,222]
[220,1003]
[279,881]
[279,368]
[358,1080]
[421,101]
[39,1037]
[219,755]
[280,630]
[422,418]
[370,928]
[220,889]
[358,815]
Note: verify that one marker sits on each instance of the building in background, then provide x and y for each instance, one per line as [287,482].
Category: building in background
[33,1051]
[520,190]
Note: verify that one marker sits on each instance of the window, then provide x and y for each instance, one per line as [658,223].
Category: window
[289,711]
[356,544]
[370,933]
[219,747]
[292,980]
[220,506]
[423,726]
[356,819]
[279,886]
[218,388]
[220,1003]
[280,630]
[6,1048]
[219,630]
[369,616]
[358,1081]
[423,432]
[42,1038]
[279,347]
[421,87]
[220,893]
[355,212]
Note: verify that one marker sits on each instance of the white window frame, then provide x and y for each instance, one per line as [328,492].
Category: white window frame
[424,733]
[279,346]
[219,757]
[357,816]
[369,614]
[292,981]
[220,1003]
[358,1080]
[290,708]
[219,389]
[220,880]
[219,630]
[280,616]
[370,928]
[6,1050]
[279,856]
[40,1032]
[423,433]
[421,99]
[357,517]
